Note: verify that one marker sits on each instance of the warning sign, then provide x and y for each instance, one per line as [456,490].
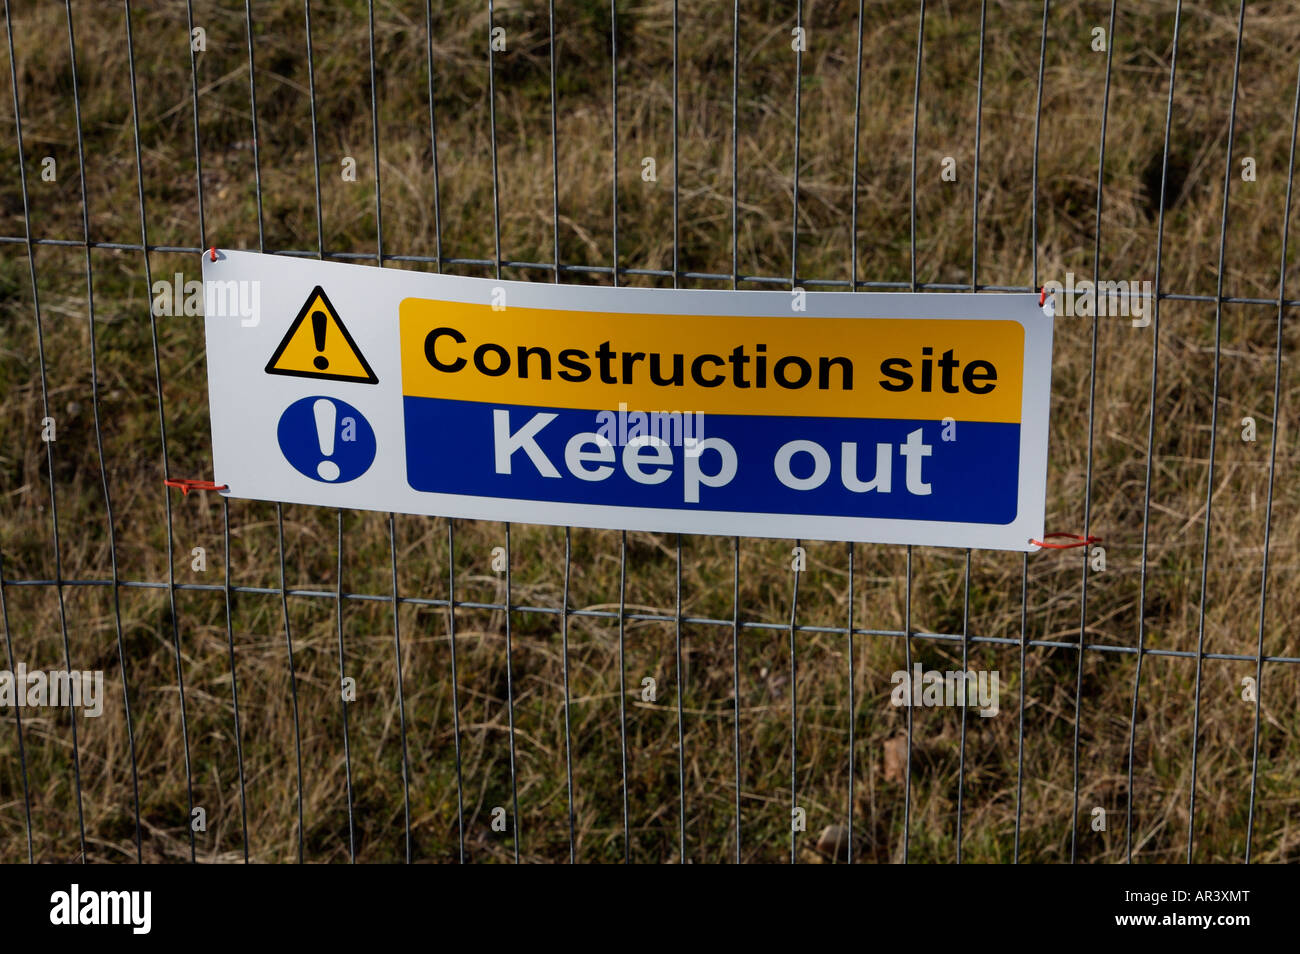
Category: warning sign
[889,418]
[317,345]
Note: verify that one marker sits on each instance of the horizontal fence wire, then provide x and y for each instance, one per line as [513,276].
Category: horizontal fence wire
[566,614]
[642,617]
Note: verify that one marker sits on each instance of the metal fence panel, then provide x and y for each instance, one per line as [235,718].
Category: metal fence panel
[484,691]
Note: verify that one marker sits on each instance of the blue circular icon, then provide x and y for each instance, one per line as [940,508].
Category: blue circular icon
[326,439]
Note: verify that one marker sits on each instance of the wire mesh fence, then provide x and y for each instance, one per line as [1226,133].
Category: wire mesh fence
[285,683]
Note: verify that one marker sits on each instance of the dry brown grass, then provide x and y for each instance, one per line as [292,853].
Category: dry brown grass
[1067,234]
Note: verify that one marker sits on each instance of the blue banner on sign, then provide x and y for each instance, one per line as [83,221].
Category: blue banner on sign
[963,471]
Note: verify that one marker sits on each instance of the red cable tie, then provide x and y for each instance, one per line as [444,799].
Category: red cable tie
[185,486]
[1042,297]
[1080,541]
[213,252]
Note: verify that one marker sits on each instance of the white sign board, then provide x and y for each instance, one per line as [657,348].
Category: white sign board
[890,418]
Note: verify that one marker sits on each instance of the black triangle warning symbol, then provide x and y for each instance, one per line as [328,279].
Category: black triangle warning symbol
[318,345]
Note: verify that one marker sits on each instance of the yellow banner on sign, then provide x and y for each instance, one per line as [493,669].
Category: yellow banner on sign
[781,365]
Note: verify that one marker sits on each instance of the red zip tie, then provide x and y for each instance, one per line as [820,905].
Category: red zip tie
[213,252]
[1042,297]
[185,486]
[1080,541]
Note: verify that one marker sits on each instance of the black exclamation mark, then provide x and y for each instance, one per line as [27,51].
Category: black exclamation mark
[318,320]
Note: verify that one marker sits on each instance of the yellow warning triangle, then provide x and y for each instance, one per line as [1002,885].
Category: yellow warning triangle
[317,345]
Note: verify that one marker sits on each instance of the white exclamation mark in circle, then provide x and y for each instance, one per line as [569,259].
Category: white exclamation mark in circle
[326,416]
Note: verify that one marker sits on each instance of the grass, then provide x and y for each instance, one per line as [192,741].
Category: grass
[1098,460]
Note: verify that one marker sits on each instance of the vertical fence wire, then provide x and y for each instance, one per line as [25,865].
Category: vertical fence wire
[735,145]
[99,438]
[451,532]
[979,129]
[49,444]
[907,612]
[1272,467]
[1092,407]
[401,694]
[564,651]
[853,286]
[510,697]
[1151,436]
[203,238]
[162,429]
[622,688]
[907,709]
[798,104]
[613,113]
[293,677]
[974,287]
[320,248]
[676,165]
[1024,573]
[555,146]
[965,701]
[392,524]
[794,705]
[1020,715]
[194,107]
[916,120]
[622,558]
[234,686]
[677,638]
[681,727]
[455,687]
[853,714]
[1038,129]
[735,680]
[433,125]
[735,284]
[568,531]
[343,695]
[1214,428]
[857,141]
[794,286]
[230,635]
[18,724]
[492,140]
